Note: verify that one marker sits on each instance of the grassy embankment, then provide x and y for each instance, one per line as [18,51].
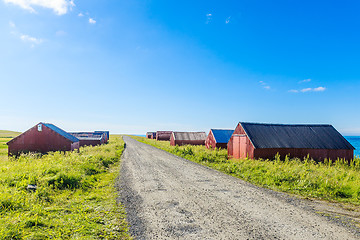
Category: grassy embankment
[332,180]
[75,196]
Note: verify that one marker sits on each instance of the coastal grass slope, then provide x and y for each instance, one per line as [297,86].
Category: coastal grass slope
[334,180]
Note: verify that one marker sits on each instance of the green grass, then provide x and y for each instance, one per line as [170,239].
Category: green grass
[331,180]
[3,146]
[8,134]
[75,196]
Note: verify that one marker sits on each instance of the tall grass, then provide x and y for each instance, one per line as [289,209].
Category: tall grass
[74,198]
[337,180]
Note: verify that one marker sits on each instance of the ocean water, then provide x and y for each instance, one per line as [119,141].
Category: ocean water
[355,141]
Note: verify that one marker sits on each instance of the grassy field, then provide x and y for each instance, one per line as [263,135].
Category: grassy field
[75,196]
[8,134]
[332,180]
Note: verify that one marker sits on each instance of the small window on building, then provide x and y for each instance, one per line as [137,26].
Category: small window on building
[40,127]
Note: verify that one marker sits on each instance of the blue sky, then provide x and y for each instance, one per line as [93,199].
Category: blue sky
[133,66]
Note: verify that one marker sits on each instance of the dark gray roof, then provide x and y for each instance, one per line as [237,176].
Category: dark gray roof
[295,136]
[61,132]
[222,135]
[98,138]
[88,135]
[189,135]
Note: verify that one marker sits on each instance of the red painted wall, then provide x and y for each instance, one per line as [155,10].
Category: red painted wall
[187,142]
[239,145]
[172,140]
[210,141]
[45,141]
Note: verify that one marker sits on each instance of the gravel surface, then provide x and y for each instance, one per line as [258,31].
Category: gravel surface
[167,197]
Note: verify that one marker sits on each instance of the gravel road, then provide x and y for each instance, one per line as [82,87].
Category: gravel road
[167,197]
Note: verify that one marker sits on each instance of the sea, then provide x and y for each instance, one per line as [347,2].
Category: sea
[355,141]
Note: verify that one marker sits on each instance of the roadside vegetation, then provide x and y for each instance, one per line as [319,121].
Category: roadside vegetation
[72,195]
[337,180]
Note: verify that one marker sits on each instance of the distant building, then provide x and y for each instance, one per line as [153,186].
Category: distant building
[163,135]
[257,140]
[91,138]
[151,135]
[218,138]
[42,138]
[107,135]
[184,138]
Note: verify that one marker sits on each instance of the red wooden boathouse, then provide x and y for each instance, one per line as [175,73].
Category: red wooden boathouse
[151,135]
[218,138]
[257,140]
[106,135]
[184,138]
[163,135]
[90,138]
[42,138]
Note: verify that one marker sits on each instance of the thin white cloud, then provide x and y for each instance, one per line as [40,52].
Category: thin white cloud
[309,89]
[319,89]
[293,91]
[208,18]
[305,80]
[60,7]
[24,37]
[80,14]
[12,24]
[265,85]
[31,40]
[92,21]
[304,90]
[227,21]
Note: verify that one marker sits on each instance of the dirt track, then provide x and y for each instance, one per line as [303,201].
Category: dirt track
[167,197]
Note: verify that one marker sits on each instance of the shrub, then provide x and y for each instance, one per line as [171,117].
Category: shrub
[90,169]
[8,204]
[65,181]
